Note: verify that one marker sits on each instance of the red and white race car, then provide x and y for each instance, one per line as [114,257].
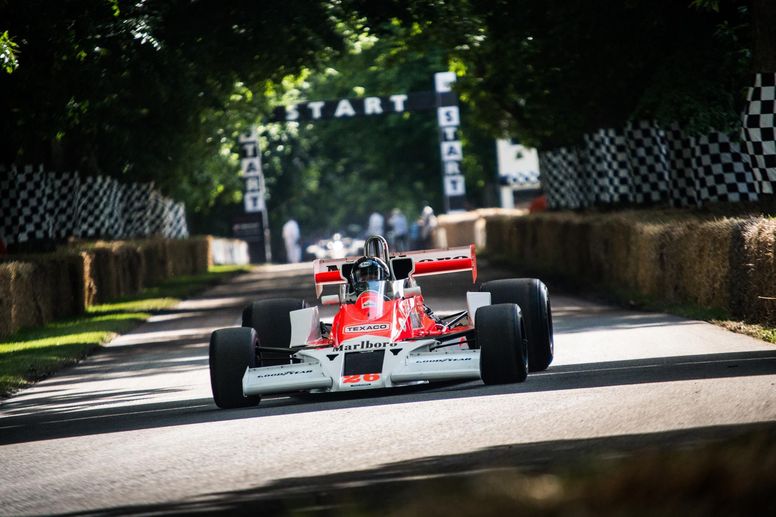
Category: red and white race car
[383,334]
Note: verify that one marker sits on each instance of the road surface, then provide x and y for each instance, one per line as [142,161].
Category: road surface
[133,428]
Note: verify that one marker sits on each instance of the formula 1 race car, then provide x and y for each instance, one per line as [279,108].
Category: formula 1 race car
[383,334]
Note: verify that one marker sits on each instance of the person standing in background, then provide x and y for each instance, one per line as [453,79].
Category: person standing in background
[399,230]
[376,224]
[291,238]
[428,222]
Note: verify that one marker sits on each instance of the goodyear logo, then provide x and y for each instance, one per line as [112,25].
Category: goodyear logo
[366,328]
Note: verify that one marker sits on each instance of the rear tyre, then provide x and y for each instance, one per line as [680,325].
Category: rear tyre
[534,300]
[232,350]
[503,349]
[269,318]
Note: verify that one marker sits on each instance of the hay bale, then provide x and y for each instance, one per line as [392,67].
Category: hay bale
[154,255]
[703,272]
[754,290]
[117,270]
[6,300]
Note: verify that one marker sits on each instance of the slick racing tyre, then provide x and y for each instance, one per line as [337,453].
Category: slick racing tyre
[534,301]
[269,318]
[503,347]
[232,350]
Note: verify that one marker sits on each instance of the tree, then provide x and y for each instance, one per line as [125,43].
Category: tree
[332,174]
[134,90]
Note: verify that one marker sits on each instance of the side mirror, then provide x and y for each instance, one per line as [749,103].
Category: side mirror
[411,291]
[330,299]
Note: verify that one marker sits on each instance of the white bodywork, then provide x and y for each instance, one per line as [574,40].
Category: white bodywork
[404,362]
[475,300]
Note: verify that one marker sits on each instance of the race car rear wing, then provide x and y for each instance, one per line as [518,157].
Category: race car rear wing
[408,264]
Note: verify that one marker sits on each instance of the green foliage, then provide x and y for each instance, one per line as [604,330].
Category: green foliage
[549,71]
[332,174]
[8,53]
[158,91]
[140,92]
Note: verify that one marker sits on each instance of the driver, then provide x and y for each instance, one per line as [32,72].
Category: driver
[366,270]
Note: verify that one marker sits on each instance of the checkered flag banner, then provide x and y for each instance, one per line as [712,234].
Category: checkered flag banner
[178,229]
[96,207]
[560,174]
[45,206]
[685,187]
[757,132]
[63,203]
[8,213]
[608,167]
[724,172]
[136,209]
[29,219]
[647,164]
[648,159]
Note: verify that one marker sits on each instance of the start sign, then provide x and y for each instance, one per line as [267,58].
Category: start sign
[443,99]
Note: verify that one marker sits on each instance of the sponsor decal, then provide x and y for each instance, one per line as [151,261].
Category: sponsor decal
[444,360]
[363,345]
[368,377]
[443,259]
[366,327]
[282,374]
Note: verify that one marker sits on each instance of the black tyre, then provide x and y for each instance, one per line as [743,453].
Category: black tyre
[232,350]
[503,348]
[534,300]
[269,318]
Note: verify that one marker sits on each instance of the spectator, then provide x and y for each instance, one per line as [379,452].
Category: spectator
[414,235]
[291,238]
[399,230]
[376,224]
[428,222]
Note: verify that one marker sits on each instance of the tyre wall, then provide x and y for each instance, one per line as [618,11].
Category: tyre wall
[717,263]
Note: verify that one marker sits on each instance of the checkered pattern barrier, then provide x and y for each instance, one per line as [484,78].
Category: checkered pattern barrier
[684,188]
[560,176]
[37,205]
[757,132]
[609,170]
[723,171]
[646,164]
[649,162]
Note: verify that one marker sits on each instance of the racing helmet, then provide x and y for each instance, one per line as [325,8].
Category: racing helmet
[368,269]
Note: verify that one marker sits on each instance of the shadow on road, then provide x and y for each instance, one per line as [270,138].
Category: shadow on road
[723,469]
[65,418]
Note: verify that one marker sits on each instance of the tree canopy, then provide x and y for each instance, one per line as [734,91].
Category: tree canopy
[158,91]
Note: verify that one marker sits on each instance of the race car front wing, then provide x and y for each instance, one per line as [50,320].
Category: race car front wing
[367,363]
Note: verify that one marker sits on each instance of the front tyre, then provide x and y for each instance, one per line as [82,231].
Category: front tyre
[534,300]
[503,348]
[232,350]
[272,323]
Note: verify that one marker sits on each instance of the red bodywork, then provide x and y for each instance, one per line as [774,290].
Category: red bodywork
[394,319]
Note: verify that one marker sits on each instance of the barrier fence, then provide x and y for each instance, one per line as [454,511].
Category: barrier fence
[644,163]
[38,205]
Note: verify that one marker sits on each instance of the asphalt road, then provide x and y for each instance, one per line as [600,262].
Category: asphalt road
[133,428]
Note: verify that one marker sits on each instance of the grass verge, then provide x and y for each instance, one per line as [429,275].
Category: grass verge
[32,354]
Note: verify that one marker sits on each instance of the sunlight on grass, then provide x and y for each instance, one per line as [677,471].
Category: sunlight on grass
[32,354]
